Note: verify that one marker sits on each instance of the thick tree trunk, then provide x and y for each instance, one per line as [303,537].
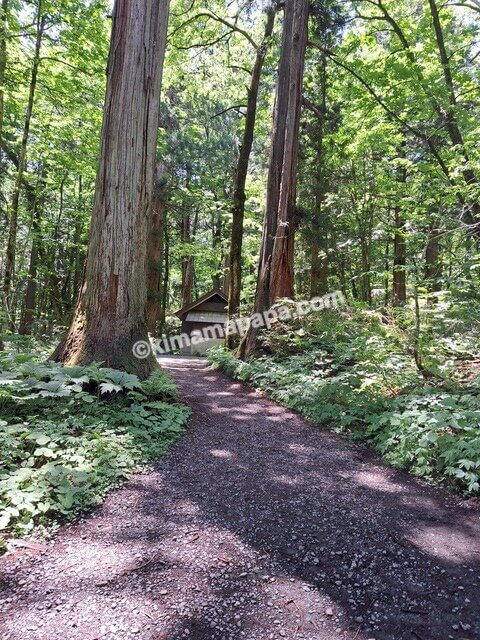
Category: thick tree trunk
[238,209]
[10,253]
[275,271]
[282,278]
[111,312]
[155,250]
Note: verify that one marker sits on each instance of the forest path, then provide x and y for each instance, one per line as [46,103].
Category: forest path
[256,526]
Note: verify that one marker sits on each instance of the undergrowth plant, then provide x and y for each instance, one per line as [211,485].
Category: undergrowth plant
[70,434]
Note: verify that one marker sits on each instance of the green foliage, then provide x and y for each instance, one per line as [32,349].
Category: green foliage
[70,434]
[432,434]
[353,370]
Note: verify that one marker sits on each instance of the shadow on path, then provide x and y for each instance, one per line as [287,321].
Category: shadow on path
[398,557]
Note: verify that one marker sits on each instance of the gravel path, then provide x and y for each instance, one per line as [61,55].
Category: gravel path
[256,526]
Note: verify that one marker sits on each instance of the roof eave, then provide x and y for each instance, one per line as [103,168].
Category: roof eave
[204,298]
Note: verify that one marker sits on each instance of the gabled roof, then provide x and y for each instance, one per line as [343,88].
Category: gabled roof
[195,303]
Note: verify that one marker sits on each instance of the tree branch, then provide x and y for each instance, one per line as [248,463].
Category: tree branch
[235,106]
[313,108]
[213,16]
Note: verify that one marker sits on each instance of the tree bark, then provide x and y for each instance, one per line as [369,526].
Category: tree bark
[218,275]
[473,216]
[111,312]
[29,302]
[187,266]
[10,253]
[155,250]
[433,263]
[275,272]
[238,209]
[79,253]
[3,66]
[166,276]
[282,278]
[399,286]
[319,262]
[399,283]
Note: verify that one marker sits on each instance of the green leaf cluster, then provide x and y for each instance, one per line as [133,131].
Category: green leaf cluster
[69,435]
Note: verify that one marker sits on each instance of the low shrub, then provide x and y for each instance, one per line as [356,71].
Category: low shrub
[70,434]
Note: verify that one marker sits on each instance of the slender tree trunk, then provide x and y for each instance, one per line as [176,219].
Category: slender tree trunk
[54,288]
[166,275]
[111,313]
[433,263]
[78,252]
[187,258]
[319,263]
[29,302]
[399,284]
[447,115]
[218,274]
[365,278]
[238,209]
[473,216]
[187,266]
[387,268]
[22,159]
[3,66]
[155,250]
[275,272]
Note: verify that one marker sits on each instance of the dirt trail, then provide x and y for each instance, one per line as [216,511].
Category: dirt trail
[256,526]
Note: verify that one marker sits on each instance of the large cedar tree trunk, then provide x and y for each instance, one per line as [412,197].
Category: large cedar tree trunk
[275,273]
[282,275]
[111,310]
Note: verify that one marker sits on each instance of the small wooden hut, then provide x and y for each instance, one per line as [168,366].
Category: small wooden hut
[204,320]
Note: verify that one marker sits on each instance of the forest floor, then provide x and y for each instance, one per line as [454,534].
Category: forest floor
[255,526]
